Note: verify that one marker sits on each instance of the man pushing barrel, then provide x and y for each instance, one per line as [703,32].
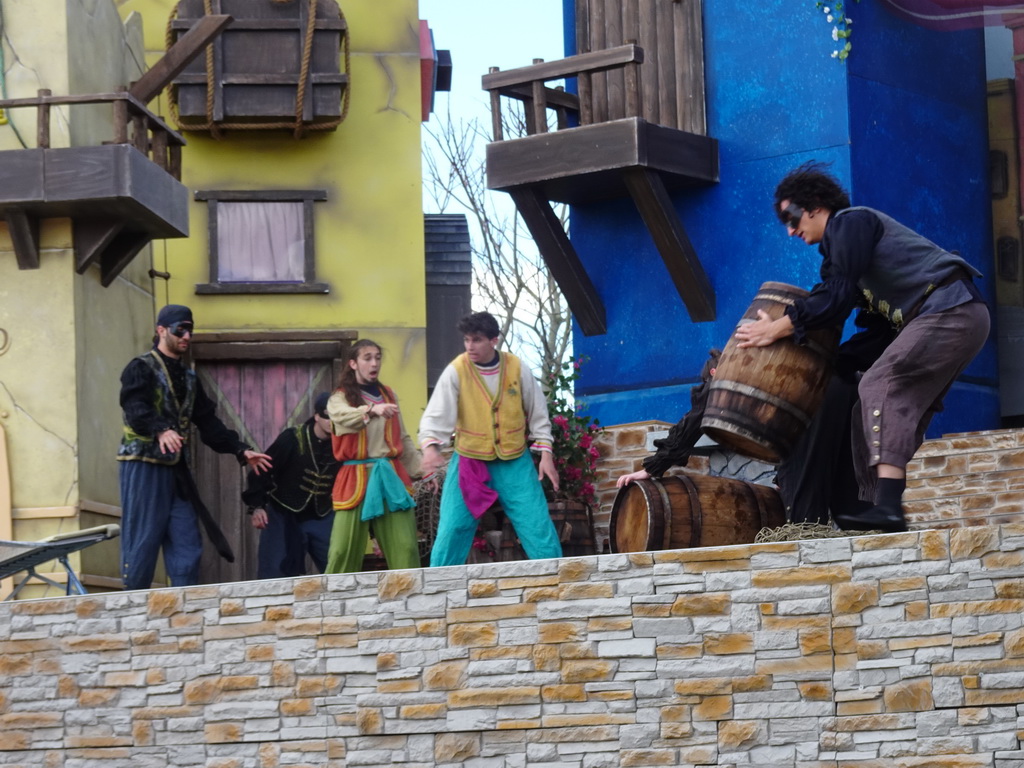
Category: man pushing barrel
[872,262]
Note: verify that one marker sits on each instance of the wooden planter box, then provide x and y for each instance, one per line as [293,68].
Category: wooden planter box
[257,65]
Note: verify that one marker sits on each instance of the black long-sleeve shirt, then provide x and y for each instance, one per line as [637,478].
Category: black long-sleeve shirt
[138,384]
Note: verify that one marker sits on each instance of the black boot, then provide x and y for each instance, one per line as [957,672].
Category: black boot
[887,514]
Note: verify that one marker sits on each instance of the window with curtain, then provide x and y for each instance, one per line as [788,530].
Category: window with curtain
[262,241]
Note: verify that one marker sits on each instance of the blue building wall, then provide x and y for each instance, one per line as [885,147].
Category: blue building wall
[903,123]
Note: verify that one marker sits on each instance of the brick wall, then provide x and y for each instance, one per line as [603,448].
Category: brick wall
[899,651]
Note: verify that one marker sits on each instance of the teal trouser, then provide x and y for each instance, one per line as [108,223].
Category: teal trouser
[395,533]
[522,498]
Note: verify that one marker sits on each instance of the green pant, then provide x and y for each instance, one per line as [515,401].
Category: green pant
[395,533]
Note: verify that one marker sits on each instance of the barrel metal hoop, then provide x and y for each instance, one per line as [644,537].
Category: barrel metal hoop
[696,513]
[760,394]
[666,513]
[761,508]
[777,297]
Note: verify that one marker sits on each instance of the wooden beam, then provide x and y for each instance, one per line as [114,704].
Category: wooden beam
[655,207]
[178,56]
[562,260]
[24,231]
[90,237]
[119,253]
[598,61]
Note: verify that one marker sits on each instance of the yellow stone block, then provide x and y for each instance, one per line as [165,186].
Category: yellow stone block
[1010,588]
[492,612]
[935,545]
[317,685]
[297,707]
[973,542]
[142,733]
[1014,642]
[546,658]
[398,686]
[854,597]
[976,608]
[446,676]
[369,721]
[675,713]
[494,697]
[282,673]
[575,570]
[525,582]
[431,627]
[723,645]
[932,641]
[989,638]
[805,574]
[589,671]
[422,711]
[456,747]
[475,634]
[588,719]
[815,691]
[232,608]
[636,757]
[307,589]
[278,613]
[588,590]
[501,652]
[614,624]
[676,730]
[478,588]
[163,602]
[844,639]
[690,651]
[872,649]
[577,650]
[902,585]
[563,693]
[734,735]
[340,625]
[395,584]
[115,679]
[259,652]
[540,594]
[96,697]
[908,696]
[714,708]
[815,641]
[818,663]
[223,733]
[652,610]
[781,623]
[864,707]
[702,605]
[751,684]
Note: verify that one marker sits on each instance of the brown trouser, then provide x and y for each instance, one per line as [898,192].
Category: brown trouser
[903,390]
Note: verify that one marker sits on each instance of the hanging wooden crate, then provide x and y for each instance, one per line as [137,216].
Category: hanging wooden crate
[280,64]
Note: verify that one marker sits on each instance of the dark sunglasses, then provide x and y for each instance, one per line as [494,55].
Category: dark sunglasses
[791,215]
[180,329]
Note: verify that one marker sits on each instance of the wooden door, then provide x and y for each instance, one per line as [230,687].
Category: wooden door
[258,397]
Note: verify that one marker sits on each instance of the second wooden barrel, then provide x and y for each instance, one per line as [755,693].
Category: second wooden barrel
[691,510]
[761,399]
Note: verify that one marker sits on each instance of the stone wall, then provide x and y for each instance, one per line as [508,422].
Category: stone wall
[966,479]
[902,651]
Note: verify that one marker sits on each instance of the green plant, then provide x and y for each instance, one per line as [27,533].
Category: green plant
[573,435]
[841,32]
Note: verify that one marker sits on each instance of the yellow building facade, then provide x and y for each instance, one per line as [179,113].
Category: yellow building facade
[64,338]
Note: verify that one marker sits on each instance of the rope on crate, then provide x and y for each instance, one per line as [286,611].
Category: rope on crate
[298,127]
[801,532]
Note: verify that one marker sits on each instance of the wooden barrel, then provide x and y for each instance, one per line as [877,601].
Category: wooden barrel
[691,510]
[761,399]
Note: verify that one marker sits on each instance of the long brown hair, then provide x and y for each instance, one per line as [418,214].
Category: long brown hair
[348,383]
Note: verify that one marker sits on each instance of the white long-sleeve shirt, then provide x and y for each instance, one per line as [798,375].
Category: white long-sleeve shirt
[438,421]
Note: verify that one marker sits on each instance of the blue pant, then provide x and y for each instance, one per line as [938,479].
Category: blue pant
[155,515]
[520,494]
[286,540]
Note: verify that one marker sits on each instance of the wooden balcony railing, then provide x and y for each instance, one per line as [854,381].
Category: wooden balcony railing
[527,84]
[133,123]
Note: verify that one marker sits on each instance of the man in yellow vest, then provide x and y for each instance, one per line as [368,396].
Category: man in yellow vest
[493,404]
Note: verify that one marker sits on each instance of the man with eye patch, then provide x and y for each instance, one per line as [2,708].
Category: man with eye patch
[924,320]
[161,398]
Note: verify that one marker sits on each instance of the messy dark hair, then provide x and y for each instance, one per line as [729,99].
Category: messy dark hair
[479,322]
[348,383]
[811,186]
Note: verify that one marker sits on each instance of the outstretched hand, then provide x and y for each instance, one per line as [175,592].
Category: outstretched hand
[258,462]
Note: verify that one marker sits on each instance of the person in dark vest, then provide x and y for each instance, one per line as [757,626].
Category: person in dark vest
[161,399]
[493,405]
[291,504]
[872,262]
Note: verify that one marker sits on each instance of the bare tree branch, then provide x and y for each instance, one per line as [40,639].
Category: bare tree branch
[510,278]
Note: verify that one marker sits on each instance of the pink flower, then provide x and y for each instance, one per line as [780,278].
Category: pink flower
[586,440]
